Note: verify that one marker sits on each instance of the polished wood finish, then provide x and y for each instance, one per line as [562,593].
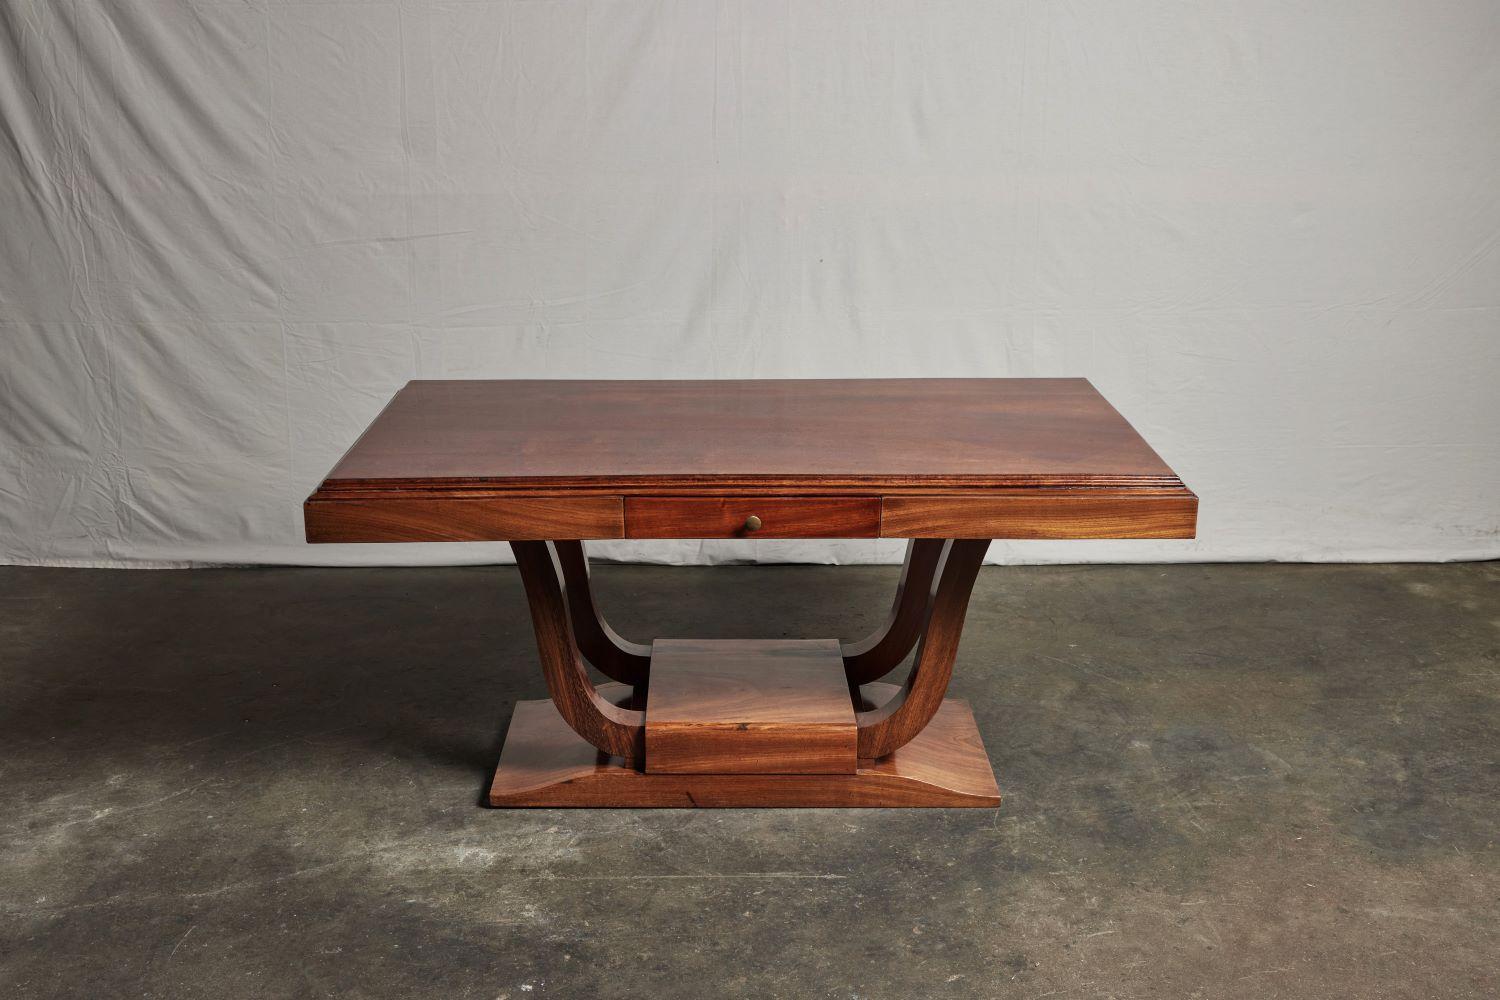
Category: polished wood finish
[1104,514]
[461,519]
[614,657]
[401,517]
[617,731]
[752,517]
[885,729]
[798,435]
[948,463]
[545,764]
[883,650]
[936,458]
[741,706]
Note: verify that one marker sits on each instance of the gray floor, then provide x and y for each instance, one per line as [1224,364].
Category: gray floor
[1220,781]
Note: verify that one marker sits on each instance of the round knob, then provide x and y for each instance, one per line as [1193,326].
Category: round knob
[752,523]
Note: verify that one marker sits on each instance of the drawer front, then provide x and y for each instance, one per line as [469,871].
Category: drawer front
[731,517]
[1064,516]
[457,519]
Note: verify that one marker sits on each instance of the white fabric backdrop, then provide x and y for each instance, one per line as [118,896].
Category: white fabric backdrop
[1268,231]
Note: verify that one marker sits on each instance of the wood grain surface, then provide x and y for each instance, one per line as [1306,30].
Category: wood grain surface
[604,724]
[1042,514]
[891,726]
[461,519]
[545,764]
[741,706]
[802,434]
[613,656]
[876,655]
[898,458]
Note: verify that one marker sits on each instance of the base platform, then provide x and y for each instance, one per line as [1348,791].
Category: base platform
[545,764]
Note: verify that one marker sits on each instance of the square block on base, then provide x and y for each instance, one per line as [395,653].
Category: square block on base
[777,706]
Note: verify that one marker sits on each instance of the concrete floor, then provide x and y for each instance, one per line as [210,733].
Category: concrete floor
[1220,781]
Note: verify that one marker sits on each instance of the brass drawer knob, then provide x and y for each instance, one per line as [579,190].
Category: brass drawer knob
[752,523]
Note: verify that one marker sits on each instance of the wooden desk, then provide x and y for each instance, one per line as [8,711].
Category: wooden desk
[947,463]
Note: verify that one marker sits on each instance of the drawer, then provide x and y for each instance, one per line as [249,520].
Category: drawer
[730,517]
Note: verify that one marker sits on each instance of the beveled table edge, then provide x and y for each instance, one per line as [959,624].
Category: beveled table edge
[730,485]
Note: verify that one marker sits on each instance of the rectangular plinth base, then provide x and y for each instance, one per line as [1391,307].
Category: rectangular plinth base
[545,764]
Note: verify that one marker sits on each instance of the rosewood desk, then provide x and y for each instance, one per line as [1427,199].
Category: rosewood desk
[948,464]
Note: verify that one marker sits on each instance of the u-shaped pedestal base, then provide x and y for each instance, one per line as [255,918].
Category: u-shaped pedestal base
[746,723]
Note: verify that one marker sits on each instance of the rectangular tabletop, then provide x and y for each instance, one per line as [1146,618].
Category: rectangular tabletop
[472,460]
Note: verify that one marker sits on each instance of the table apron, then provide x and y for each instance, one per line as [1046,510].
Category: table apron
[1073,515]
[1044,515]
[463,519]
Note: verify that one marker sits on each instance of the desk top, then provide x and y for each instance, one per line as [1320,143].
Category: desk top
[793,436]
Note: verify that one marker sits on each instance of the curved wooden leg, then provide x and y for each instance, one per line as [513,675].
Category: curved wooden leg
[615,658]
[886,729]
[876,655]
[616,731]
